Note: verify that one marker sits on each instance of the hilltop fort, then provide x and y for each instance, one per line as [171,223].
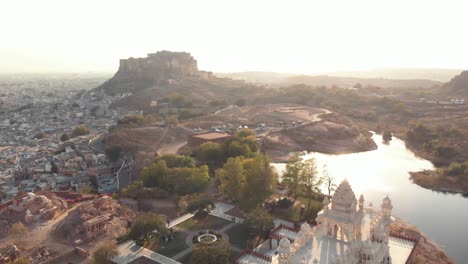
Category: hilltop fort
[157,68]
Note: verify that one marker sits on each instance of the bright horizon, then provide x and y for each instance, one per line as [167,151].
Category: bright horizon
[269,36]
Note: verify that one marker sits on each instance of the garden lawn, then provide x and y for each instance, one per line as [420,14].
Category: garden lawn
[170,248]
[208,222]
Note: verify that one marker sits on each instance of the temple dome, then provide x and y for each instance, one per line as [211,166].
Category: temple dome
[284,243]
[305,227]
[344,196]
[387,203]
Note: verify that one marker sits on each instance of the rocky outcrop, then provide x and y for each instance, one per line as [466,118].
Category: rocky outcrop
[334,134]
[139,73]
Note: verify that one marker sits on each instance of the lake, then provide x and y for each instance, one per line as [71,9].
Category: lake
[442,217]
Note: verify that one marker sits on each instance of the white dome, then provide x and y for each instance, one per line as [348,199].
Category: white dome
[305,227]
[284,243]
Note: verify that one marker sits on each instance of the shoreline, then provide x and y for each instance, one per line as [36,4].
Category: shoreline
[433,180]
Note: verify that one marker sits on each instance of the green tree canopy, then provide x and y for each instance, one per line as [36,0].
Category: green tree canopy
[155,174]
[292,174]
[147,226]
[173,161]
[64,137]
[200,202]
[259,222]
[260,179]
[210,153]
[213,253]
[113,152]
[231,178]
[105,253]
[80,131]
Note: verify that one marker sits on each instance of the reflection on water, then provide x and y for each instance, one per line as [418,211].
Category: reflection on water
[443,217]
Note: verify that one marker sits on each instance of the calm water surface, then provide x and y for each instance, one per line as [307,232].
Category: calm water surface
[443,217]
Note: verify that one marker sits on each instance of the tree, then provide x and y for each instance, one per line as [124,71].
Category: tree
[40,135]
[173,121]
[210,153]
[311,181]
[260,179]
[387,136]
[327,180]
[64,137]
[80,131]
[200,202]
[212,253]
[455,169]
[155,175]
[105,253]
[419,134]
[292,174]
[147,226]
[113,152]
[231,178]
[176,161]
[259,222]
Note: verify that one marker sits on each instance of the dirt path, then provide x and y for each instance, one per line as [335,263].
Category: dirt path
[171,148]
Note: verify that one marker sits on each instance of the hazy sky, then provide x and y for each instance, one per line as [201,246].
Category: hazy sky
[285,36]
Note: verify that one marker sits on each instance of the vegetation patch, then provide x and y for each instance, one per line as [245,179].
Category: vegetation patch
[204,223]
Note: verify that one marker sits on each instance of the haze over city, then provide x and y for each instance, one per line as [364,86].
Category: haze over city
[279,36]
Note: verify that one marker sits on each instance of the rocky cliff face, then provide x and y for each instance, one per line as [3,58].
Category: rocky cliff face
[139,73]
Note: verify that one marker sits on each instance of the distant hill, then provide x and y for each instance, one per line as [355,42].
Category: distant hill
[400,77]
[458,86]
[257,76]
[351,81]
[441,75]
[280,79]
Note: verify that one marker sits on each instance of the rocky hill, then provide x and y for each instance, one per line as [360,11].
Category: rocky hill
[144,80]
[458,85]
[138,73]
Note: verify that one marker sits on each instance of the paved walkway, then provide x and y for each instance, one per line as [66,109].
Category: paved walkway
[221,209]
[179,220]
[129,251]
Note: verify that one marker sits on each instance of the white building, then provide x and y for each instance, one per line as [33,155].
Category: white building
[347,232]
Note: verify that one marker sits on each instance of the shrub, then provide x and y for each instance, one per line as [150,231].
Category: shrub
[284,203]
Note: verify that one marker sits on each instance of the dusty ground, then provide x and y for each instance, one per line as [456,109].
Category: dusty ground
[41,234]
[144,138]
[329,133]
[273,115]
